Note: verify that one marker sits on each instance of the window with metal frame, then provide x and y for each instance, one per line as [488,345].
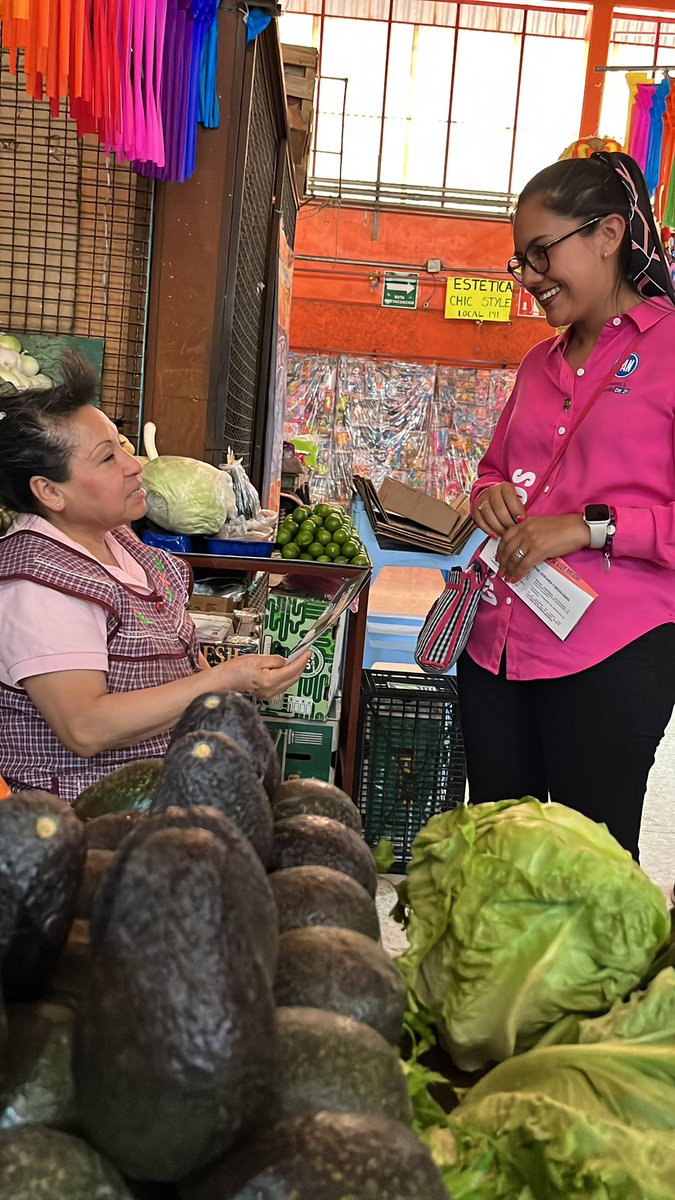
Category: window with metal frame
[638,40]
[436,104]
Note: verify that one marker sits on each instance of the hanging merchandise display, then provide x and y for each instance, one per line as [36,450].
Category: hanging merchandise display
[650,136]
[139,74]
[425,425]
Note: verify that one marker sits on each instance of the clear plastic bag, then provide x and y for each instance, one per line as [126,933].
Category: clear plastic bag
[246,498]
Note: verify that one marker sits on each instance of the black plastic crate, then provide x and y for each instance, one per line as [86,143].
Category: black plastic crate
[411,755]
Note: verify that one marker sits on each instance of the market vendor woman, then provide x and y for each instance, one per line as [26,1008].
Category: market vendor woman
[98,654]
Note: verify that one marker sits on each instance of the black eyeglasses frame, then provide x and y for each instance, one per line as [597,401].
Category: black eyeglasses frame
[517,263]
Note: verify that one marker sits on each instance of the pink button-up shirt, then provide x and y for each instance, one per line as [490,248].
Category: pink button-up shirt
[624,456]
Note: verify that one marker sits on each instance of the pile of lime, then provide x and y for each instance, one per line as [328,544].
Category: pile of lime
[325,533]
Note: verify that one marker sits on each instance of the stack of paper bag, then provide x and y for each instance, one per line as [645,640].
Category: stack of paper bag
[412,518]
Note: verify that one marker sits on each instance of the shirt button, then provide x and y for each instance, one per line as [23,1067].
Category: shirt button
[581,371]
[616,321]
[547,488]
[509,600]
[562,430]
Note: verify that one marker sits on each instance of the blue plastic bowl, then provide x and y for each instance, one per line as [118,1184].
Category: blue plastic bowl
[239,549]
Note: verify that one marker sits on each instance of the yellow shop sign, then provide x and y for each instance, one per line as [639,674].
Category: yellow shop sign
[478,299]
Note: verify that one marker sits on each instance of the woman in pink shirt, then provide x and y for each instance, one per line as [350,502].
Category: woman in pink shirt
[98,654]
[579,720]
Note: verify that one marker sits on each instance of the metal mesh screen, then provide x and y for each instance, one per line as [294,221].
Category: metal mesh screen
[261,157]
[288,210]
[76,241]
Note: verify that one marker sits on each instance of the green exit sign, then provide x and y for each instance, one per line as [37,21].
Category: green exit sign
[400,290]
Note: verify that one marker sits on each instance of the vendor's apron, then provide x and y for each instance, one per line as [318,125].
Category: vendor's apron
[151,640]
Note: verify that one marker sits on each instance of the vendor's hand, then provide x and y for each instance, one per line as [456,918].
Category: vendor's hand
[262,675]
[535,539]
[498,509]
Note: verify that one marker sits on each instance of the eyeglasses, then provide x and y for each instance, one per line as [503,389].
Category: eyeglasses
[537,258]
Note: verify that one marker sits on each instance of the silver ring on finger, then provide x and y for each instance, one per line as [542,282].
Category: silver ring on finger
[521,554]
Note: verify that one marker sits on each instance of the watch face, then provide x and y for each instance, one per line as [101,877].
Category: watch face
[597,512]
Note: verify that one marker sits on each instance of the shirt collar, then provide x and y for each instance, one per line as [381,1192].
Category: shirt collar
[642,316]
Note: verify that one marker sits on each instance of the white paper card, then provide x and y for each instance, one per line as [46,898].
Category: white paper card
[552,590]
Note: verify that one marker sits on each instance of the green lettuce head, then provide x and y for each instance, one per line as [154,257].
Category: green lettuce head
[186,495]
[521,913]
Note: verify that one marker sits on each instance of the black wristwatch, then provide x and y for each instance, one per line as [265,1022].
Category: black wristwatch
[602,523]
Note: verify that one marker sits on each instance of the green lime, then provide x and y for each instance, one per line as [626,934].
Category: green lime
[317,519]
[323,536]
[340,537]
[306,558]
[349,548]
[323,558]
[301,514]
[332,523]
[322,510]
[290,550]
[309,524]
[284,536]
[332,550]
[341,559]
[305,537]
[315,549]
[291,525]
[360,560]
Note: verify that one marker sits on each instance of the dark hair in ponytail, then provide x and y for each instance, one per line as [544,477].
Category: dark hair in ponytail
[593,187]
[33,434]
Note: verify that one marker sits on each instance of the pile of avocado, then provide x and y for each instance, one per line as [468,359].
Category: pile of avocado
[195,1001]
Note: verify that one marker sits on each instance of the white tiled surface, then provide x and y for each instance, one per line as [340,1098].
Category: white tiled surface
[657,839]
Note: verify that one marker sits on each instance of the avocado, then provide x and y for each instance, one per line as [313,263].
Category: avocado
[297,796]
[209,769]
[106,832]
[42,851]
[331,1063]
[175,1050]
[128,789]
[321,896]
[246,874]
[37,1163]
[36,1077]
[70,976]
[236,716]
[95,865]
[342,972]
[325,1156]
[309,841]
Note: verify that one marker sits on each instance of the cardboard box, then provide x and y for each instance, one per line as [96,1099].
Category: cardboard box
[211,604]
[287,619]
[307,749]
[415,505]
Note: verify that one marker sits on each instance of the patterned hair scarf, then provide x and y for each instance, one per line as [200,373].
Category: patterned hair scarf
[647,266]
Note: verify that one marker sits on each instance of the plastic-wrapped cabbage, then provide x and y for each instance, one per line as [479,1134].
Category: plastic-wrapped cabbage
[522,913]
[186,495]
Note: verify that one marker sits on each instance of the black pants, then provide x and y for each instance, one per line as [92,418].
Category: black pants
[586,740]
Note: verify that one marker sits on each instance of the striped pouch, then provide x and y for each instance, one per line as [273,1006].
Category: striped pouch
[448,624]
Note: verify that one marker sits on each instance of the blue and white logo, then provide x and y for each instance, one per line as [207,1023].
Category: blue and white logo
[631,364]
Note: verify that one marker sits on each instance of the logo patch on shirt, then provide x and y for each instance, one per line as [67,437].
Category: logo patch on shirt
[620,391]
[631,364]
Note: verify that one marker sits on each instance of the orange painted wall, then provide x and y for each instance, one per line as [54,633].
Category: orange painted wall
[337,307]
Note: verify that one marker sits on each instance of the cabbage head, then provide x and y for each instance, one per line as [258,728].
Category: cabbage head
[592,1119]
[520,914]
[185,495]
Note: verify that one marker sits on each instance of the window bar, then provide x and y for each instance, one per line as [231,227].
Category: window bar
[517,106]
[318,89]
[450,103]
[385,84]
